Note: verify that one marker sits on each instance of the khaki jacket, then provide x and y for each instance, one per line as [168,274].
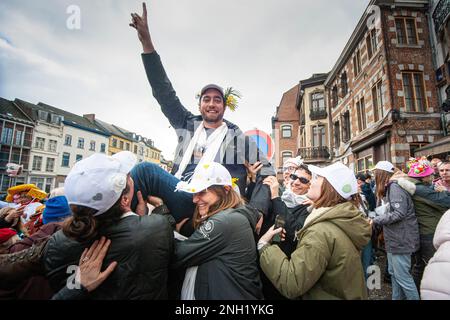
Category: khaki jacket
[327,261]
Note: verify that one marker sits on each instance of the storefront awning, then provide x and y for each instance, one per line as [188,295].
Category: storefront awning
[438,147]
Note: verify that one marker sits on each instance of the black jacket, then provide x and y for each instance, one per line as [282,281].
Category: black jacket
[236,148]
[224,249]
[142,246]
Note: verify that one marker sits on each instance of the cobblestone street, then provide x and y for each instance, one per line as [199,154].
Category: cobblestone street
[385,292]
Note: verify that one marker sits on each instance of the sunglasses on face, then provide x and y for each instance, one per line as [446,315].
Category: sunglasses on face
[294,177]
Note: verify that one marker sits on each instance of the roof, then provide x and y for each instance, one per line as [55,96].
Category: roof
[316,79]
[112,129]
[289,101]
[10,111]
[73,120]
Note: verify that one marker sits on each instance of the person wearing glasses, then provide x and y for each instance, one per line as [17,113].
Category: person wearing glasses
[327,262]
[292,207]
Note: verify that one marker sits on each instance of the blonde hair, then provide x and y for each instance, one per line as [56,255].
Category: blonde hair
[227,199]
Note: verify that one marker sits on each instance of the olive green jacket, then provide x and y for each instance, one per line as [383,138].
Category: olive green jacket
[327,261]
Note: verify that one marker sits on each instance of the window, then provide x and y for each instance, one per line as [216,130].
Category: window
[114,143]
[344,84]
[103,148]
[121,145]
[361,111]
[285,155]
[334,96]
[78,157]
[127,146]
[19,137]
[318,103]
[372,43]
[40,143]
[80,143]
[346,133]
[52,145]
[318,136]
[364,164]
[406,31]
[39,182]
[50,165]
[43,115]
[48,185]
[337,134]
[414,93]
[135,149]
[377,101]
[65,159]
[7,134]
[92,146]
[56,119]
[286,131]
[357,63]
[37,163]
[68,140]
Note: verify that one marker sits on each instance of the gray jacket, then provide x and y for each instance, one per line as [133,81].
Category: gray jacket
[224,249]
[400,227]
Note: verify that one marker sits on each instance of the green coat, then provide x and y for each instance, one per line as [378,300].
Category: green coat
[327,261]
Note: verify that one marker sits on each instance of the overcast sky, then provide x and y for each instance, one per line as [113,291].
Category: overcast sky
[261,48]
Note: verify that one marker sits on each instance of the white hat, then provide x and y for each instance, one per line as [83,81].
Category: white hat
[385,166]
[297,161]
[206,174]
[98,181]
[340,177]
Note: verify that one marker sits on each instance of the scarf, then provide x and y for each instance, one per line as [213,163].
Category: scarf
[291,199]
[209,146]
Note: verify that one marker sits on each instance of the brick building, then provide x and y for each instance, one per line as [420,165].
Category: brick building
[382,90]
[285,126]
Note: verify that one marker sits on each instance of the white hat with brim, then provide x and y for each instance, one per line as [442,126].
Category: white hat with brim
[205,176]
[385,166]
[98,181]
[341,178]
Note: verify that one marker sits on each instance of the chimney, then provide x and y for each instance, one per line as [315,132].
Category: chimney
[90,117]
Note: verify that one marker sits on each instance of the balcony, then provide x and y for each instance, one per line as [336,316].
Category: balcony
[440,15]
[318,114]
[314,153]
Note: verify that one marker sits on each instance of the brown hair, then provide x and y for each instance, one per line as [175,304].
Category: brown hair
[381,180]
[328,196]
[227,199]
[83,226]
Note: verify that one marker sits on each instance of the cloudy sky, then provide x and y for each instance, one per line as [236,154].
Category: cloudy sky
[261,48]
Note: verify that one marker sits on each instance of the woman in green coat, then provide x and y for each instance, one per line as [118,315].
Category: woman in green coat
[327,261]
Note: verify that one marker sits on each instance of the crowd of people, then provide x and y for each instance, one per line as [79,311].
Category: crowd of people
[222,226]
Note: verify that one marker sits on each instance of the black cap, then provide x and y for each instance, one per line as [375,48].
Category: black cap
[361,176]
[212,86]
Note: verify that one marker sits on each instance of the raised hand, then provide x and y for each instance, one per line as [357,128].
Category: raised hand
[140,24]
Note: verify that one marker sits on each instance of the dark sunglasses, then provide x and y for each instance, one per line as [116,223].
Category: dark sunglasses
[302,180]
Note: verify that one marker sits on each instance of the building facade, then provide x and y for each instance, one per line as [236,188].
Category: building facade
[16,136]
[286,126]
[81,138]
[382,90]
[314,125]
[46,147]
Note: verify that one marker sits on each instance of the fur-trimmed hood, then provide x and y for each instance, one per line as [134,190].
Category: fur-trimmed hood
[407,185]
